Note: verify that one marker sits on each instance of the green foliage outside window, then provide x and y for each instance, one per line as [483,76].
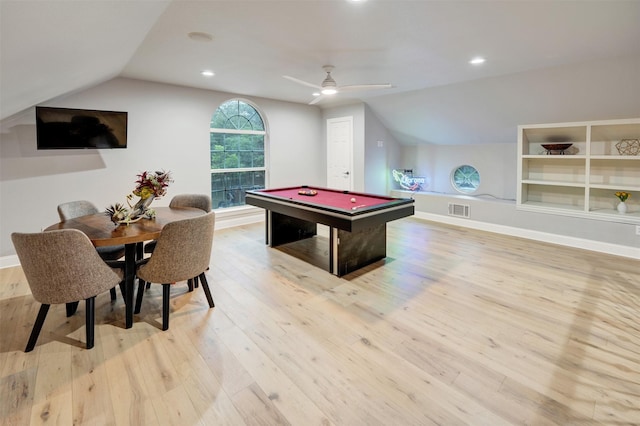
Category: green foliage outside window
[237,141]
[231,151]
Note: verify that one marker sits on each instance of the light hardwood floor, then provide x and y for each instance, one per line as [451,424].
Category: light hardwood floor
[455,327]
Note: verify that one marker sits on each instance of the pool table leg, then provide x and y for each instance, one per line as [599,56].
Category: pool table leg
[350,251]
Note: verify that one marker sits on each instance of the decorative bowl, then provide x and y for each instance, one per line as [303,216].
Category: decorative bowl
[556,146]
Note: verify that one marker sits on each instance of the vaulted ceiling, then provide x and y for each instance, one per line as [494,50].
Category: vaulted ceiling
[51,48]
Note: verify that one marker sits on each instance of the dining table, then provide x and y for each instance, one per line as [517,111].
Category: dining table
[103,232]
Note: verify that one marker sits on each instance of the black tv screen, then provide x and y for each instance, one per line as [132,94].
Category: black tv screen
[67,128]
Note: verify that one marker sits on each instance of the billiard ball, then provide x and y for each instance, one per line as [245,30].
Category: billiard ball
[353,200]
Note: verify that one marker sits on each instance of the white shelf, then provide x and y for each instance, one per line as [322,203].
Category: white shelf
[552,183]
[583,181]
[616,157]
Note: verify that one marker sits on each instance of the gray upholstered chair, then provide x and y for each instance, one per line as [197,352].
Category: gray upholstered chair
[198,201]
[183,251]
[63,267]
[74,209]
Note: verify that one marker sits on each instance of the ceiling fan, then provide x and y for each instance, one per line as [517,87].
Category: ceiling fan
[329,87]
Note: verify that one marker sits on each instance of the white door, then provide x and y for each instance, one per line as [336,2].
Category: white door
[340,153]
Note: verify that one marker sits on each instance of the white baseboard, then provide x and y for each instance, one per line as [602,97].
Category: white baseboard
[229,218]
[546,237]
[9,261]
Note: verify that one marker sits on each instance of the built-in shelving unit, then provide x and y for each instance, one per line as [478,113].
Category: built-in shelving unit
[582,180]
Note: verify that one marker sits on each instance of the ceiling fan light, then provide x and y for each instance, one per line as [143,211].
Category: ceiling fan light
[329,91]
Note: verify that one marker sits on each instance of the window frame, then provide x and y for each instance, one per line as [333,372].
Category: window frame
[223,171]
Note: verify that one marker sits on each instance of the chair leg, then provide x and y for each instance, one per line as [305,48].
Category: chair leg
[113,294]
[35,332]
[141,287]
[90,307]
[72,307]
[207,292]
[166,291]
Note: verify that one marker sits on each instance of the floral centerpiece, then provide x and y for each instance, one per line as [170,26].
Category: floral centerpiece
[622,196]
[149,186]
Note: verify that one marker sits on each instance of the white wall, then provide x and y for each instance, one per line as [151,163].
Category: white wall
[382,155]
[496,164]
[168,129]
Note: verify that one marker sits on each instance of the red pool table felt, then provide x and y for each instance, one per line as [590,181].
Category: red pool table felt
[330,197]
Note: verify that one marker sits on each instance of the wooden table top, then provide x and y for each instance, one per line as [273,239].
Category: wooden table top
[102,232]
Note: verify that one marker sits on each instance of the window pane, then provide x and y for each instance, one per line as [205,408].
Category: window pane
[228,189]
[236,115]
[231,161]
[217,160]
[217,141]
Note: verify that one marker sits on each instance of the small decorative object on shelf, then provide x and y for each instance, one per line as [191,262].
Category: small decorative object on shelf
[556,148]
[149,186]
[622,206]
[628,147]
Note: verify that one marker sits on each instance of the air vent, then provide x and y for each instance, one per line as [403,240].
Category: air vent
[459,210]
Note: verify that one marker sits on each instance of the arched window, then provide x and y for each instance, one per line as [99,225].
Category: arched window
[237,138]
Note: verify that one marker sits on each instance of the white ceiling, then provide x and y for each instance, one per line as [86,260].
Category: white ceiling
[50,48]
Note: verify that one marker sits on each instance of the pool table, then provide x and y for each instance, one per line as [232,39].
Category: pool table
[357,222]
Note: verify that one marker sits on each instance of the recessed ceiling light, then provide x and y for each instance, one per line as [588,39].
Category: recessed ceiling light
[199,36]
[477,60]
[208,73]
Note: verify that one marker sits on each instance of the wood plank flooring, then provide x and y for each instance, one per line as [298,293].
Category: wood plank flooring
[455,327]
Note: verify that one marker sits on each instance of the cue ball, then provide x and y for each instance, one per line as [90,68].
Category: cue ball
[353,200]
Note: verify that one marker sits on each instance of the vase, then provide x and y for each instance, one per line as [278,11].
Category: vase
[141,207]
[622,207]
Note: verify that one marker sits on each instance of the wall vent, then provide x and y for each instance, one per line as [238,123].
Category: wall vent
[459,210]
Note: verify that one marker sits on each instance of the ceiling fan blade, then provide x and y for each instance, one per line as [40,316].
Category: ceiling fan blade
[363,87]
[316,100]
[304,83]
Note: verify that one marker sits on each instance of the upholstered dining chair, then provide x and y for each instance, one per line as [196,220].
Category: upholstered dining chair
[198,201]
[63,266]
[74,209]
[182,251]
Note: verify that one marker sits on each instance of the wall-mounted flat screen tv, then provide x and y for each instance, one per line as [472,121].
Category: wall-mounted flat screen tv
[67,128]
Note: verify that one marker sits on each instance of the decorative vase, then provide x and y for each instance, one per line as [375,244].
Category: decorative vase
[141,207]
[622,207]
